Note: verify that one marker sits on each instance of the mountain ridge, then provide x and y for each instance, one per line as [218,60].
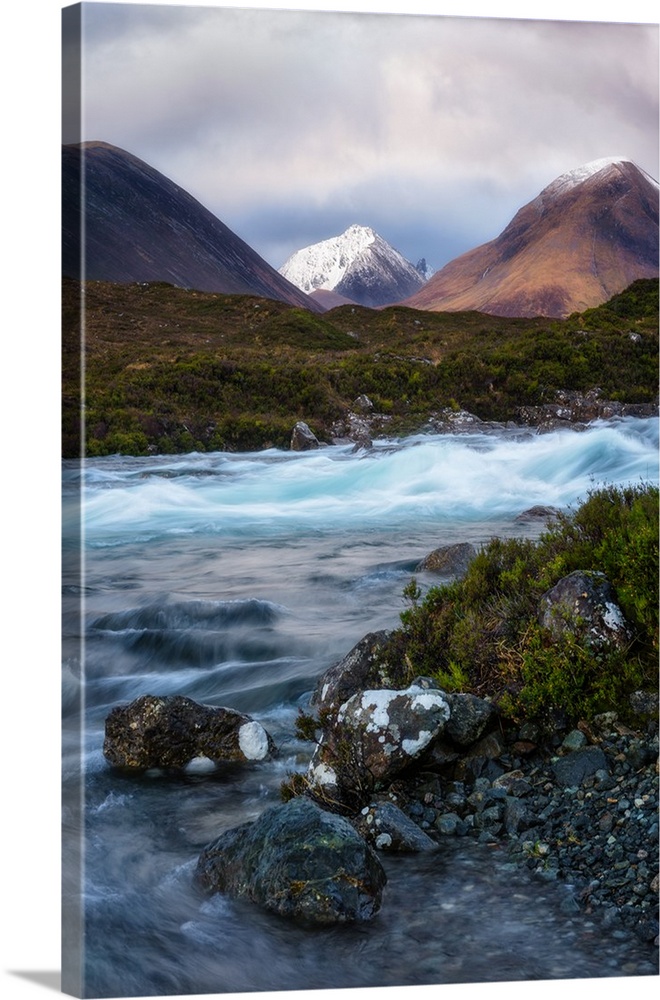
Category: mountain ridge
[141,226]
[588,235]
[358,265]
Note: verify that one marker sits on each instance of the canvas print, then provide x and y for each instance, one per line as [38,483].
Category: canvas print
[360,500]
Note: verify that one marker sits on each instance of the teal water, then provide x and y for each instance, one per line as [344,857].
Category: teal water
[237,580]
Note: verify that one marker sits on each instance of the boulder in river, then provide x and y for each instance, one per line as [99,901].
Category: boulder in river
[169,732]
[303,438]
[299,861]
[448,560]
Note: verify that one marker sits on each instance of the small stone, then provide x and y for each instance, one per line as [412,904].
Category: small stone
[574,740]
[447,824]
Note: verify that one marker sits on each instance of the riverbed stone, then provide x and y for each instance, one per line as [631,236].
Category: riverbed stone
[299,861]
[448,560]
[171,731]
[571,770]
[387,828]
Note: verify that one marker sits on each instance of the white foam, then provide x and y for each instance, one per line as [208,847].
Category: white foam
[428,479]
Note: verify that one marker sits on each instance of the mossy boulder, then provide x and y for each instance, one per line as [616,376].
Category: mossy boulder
[299,861]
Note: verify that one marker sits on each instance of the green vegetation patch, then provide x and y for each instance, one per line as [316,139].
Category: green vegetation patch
[168,369]
[482,633]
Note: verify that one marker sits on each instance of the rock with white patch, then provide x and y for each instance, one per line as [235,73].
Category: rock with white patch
[173,731]
[375,735]
[364,666]
[584,604]
[387,828]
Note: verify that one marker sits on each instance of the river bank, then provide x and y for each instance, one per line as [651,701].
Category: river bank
[582,811]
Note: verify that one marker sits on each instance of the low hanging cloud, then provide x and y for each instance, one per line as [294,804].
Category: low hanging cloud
[437,128]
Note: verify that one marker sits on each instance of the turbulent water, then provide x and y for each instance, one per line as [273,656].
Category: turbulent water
[236,580]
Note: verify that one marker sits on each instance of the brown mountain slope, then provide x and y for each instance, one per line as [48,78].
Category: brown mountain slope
[140,226]
[586,237]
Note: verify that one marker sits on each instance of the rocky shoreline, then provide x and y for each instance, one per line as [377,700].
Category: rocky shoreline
[582,810]
[568,410]
[405,763]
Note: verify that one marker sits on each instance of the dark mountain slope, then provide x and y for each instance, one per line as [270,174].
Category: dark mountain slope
[140,226]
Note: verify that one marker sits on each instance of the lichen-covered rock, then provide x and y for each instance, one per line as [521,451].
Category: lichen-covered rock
[375,735]
[584,604]
[299,861]
[303,438]
[448,560]
[169,732]
[387,828]
[363,667]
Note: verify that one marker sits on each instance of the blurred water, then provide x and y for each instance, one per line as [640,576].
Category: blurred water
[237,580]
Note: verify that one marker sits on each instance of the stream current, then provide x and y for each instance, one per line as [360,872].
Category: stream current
[236,580]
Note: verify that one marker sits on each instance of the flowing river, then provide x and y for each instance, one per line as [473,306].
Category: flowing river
[236,580]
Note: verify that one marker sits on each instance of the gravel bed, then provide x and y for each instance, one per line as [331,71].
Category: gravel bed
[583,810]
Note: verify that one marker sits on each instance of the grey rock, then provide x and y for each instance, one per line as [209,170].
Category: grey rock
[298,861]
[644,703]
[584,604]
[448,560]
[571,770]
[363,667]
[469,717]
[358,430]
[363,404]
[448,824]
[387,828]
[574,740]
[539,512]
[169,732]
[516,815]
[303,438]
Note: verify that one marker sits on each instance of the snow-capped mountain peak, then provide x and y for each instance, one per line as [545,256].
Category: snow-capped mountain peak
[573,178]
[359,264]
[324,264]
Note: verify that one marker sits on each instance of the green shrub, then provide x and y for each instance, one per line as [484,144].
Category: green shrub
[483,633]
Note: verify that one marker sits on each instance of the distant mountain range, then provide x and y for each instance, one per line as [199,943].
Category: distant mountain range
[140,226]
[357,266]
[586,237]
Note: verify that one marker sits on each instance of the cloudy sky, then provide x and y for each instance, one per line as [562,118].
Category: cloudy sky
[290,125]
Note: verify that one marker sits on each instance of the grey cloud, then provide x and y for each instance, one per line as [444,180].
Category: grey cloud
[387,120]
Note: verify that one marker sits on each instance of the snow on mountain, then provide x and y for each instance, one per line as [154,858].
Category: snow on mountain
[424,269]
[358,265]
[573,178]
[588,235]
